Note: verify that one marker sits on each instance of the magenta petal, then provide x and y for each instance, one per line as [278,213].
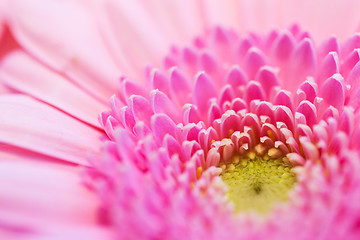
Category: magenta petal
[265,108]
[238,104]
[333,91]
[127,146]
[254,91]
[204,90]
[303,62]
[351,44]
[179,85]
[310,89]
[329,67]
[161,125]
[329,45]
[309,111]
[283,46]
[354,79]
[162,104]
[254,60]
[159,81]
[266,76]
[129,87]
[208,63]
[190,114]
[226,94]
[230,123]
[141,108]
[127,117]
[346,121]
[236,77]
[172,145]
[283,98]
[284,114]
[349,62]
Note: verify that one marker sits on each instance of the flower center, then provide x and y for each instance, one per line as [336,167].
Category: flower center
[257,183]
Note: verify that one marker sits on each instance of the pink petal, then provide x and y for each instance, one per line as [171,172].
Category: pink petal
[204,90]
[284,114]
[159,81]
[354,79]
[254,91]
[62,47]
[283,98]
[179,85]
[161,125]
[254,60]
[303,63]
[266,76]
[310,90]
[236,77]
[162,104]
[38,193]
[309,111]
[33,125]
[141,108]
[329,67]
[39,82]
[333,91]
[283,46]
[329,45]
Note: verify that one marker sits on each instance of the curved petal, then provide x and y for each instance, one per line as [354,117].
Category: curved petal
[41,197]
[64,36]
[36,80]
[27,123]
[130,32]
[321,18]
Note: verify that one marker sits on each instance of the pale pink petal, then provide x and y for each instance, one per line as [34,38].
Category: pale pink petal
[45,85]
[70,45]
[36,126]
[131,33]
[39,195]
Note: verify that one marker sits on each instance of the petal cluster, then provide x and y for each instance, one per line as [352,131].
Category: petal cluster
[227,95]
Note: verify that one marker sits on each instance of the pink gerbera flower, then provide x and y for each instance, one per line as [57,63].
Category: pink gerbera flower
[233,135]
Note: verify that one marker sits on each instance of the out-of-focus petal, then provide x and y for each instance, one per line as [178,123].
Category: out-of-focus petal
[33,125]
[41,196]
[64,36]
[38,81]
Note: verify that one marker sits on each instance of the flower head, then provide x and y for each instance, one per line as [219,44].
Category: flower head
[237,137]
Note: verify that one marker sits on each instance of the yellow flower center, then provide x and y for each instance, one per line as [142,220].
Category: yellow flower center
[256,183]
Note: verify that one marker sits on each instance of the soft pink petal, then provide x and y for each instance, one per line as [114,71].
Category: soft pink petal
[36,80]
[33,125]
[40,196]
[70,45]
[131,33]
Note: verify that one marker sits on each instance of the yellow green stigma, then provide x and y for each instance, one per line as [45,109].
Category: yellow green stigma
[256,183]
